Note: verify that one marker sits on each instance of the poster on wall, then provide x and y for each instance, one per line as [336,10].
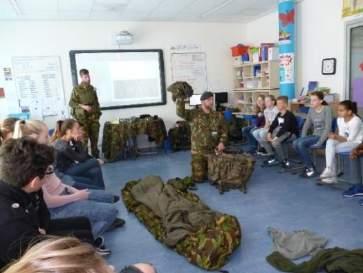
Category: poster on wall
[287,27]
[287,47]
[287,71]
[39,85]
[192,68]
[7,74]
[352,7]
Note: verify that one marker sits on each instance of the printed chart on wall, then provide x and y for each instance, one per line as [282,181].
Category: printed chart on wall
[38,82]
[192,68]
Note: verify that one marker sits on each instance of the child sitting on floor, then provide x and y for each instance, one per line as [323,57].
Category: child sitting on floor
[73,160]
[349,136]
[65,201]
[283,128]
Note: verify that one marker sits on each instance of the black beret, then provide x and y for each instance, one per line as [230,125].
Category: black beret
[206,95]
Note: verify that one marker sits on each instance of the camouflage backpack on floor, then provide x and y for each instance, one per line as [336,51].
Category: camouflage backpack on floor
[118,137]
[230,171]
[209,248]
[180,136]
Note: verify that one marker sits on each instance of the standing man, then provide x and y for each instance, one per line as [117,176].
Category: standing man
[209,133]
[85,108]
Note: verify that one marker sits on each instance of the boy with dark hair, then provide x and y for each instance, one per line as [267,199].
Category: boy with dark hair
[283,128]
[24,215]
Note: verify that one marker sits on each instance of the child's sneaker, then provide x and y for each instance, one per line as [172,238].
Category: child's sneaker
[271,162]
[354,191]
[327,173]
[285,164]
[308,173]
[328,181]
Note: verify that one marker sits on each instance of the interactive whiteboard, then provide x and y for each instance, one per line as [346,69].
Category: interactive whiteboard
[123,78]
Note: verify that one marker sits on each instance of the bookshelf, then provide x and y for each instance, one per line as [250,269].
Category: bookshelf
[252,80]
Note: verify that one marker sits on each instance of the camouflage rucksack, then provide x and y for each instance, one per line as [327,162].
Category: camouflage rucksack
[180,90]
[230,171]
[180,136]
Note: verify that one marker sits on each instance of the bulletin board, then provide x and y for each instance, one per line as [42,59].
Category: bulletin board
[192,68]
[39,85]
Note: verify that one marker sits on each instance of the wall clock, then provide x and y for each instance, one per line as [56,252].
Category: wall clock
[329,66]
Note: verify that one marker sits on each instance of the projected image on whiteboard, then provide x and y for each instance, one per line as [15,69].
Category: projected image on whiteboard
[124,79]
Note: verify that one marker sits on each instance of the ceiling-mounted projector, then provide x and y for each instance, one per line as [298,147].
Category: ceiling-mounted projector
[124,38]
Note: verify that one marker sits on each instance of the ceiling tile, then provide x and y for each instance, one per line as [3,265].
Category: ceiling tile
[138,10]
[6,10]
[75,5]
[170,9]
[36,5]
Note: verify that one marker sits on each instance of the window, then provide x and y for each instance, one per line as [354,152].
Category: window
[354,69]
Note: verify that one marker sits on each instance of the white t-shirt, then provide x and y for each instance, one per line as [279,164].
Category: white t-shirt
[352,130]
[270,114]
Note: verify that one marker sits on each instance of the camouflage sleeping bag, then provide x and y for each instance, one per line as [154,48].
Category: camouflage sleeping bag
[230,171]
[180,220]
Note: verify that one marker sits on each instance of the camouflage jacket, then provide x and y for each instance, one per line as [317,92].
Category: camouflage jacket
[87,95]
[208,130]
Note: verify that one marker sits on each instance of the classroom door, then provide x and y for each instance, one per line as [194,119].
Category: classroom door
[356,66]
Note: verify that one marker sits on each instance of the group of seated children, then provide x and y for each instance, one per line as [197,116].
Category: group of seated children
[277,127]
[35,201]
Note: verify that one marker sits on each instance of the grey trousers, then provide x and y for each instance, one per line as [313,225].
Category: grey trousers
[278,146]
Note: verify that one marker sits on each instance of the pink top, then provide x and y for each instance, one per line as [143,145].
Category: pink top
[52,190]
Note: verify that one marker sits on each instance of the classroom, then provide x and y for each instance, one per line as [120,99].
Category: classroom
[178,136]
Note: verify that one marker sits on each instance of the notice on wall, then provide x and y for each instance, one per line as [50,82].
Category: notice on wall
[192,68]
[39,86]
[287,71]
[7,74]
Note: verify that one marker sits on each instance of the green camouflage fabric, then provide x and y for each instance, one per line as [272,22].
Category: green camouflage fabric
[207,130]
[180,136]
[209,247]
[89,121]
[116,134]
[230,171]
[180,90]
[199,167]
[85,94]
[114,140]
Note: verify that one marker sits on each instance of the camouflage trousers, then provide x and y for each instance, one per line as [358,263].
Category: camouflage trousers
[199,167]
[91,131]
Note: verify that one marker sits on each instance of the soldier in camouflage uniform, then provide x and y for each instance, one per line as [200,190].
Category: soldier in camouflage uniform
[209,133]
[85,108]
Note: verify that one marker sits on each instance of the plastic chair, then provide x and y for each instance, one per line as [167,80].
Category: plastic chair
[314,151]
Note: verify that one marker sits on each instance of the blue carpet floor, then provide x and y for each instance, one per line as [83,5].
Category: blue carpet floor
[279,200]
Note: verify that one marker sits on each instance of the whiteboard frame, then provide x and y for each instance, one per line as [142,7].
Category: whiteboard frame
[74,71]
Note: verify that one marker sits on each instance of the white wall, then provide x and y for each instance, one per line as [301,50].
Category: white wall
[320,34]
[45,38]
[263,30]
